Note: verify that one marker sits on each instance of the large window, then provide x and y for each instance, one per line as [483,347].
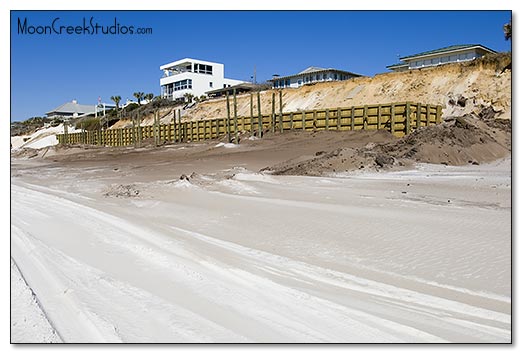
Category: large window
[203,69]
[183,85]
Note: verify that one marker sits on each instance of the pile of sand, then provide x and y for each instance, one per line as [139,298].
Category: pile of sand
[457,141]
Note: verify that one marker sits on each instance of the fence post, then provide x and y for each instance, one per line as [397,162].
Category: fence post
[408,126]
[281,111]
[228,119]
[303,117]
[156,130]
[259,117]
[175,117]
[352,124]
[272,128]
[326,119]
[133,131]
[251,113]
[439,114]
[428,114]
[181,136]
[339,118]
[418,115]
[392,119]
[314,119]
[65,133]
[138,132]
[83,133]
[235,118]
[365,117]
[291,120]
[379,107]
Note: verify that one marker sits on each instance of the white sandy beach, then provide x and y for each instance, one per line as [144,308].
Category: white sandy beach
[114,254]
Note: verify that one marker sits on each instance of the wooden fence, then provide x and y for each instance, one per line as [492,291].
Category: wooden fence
[398,118]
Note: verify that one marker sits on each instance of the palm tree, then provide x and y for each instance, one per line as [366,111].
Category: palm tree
[188,97]
[116,100]
[507,31]
[149,96]
[139,96]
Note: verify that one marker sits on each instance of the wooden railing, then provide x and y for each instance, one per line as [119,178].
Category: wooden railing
[398,118]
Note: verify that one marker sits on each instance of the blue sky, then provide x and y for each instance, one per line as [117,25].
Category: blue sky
[48,70]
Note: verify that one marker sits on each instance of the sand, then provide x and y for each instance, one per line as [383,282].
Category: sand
[461,88]
[203,242]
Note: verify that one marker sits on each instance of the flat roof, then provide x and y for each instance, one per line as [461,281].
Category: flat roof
[185,61]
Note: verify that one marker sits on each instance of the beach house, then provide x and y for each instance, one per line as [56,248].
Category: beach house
[311,75]
[71,109]
[192,76]
[451,54]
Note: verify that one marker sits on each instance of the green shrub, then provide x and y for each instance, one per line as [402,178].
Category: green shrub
[88,123]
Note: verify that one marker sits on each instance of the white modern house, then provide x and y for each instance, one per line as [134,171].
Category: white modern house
[311,75]
[451,54]
[192,76]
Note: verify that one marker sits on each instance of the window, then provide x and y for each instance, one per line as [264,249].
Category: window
[453,58]
[444,59]
[210,84]
[335,76]
[203,69]
[462,56]
[287,83]
[183,85]
[317,77]
[324,76]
